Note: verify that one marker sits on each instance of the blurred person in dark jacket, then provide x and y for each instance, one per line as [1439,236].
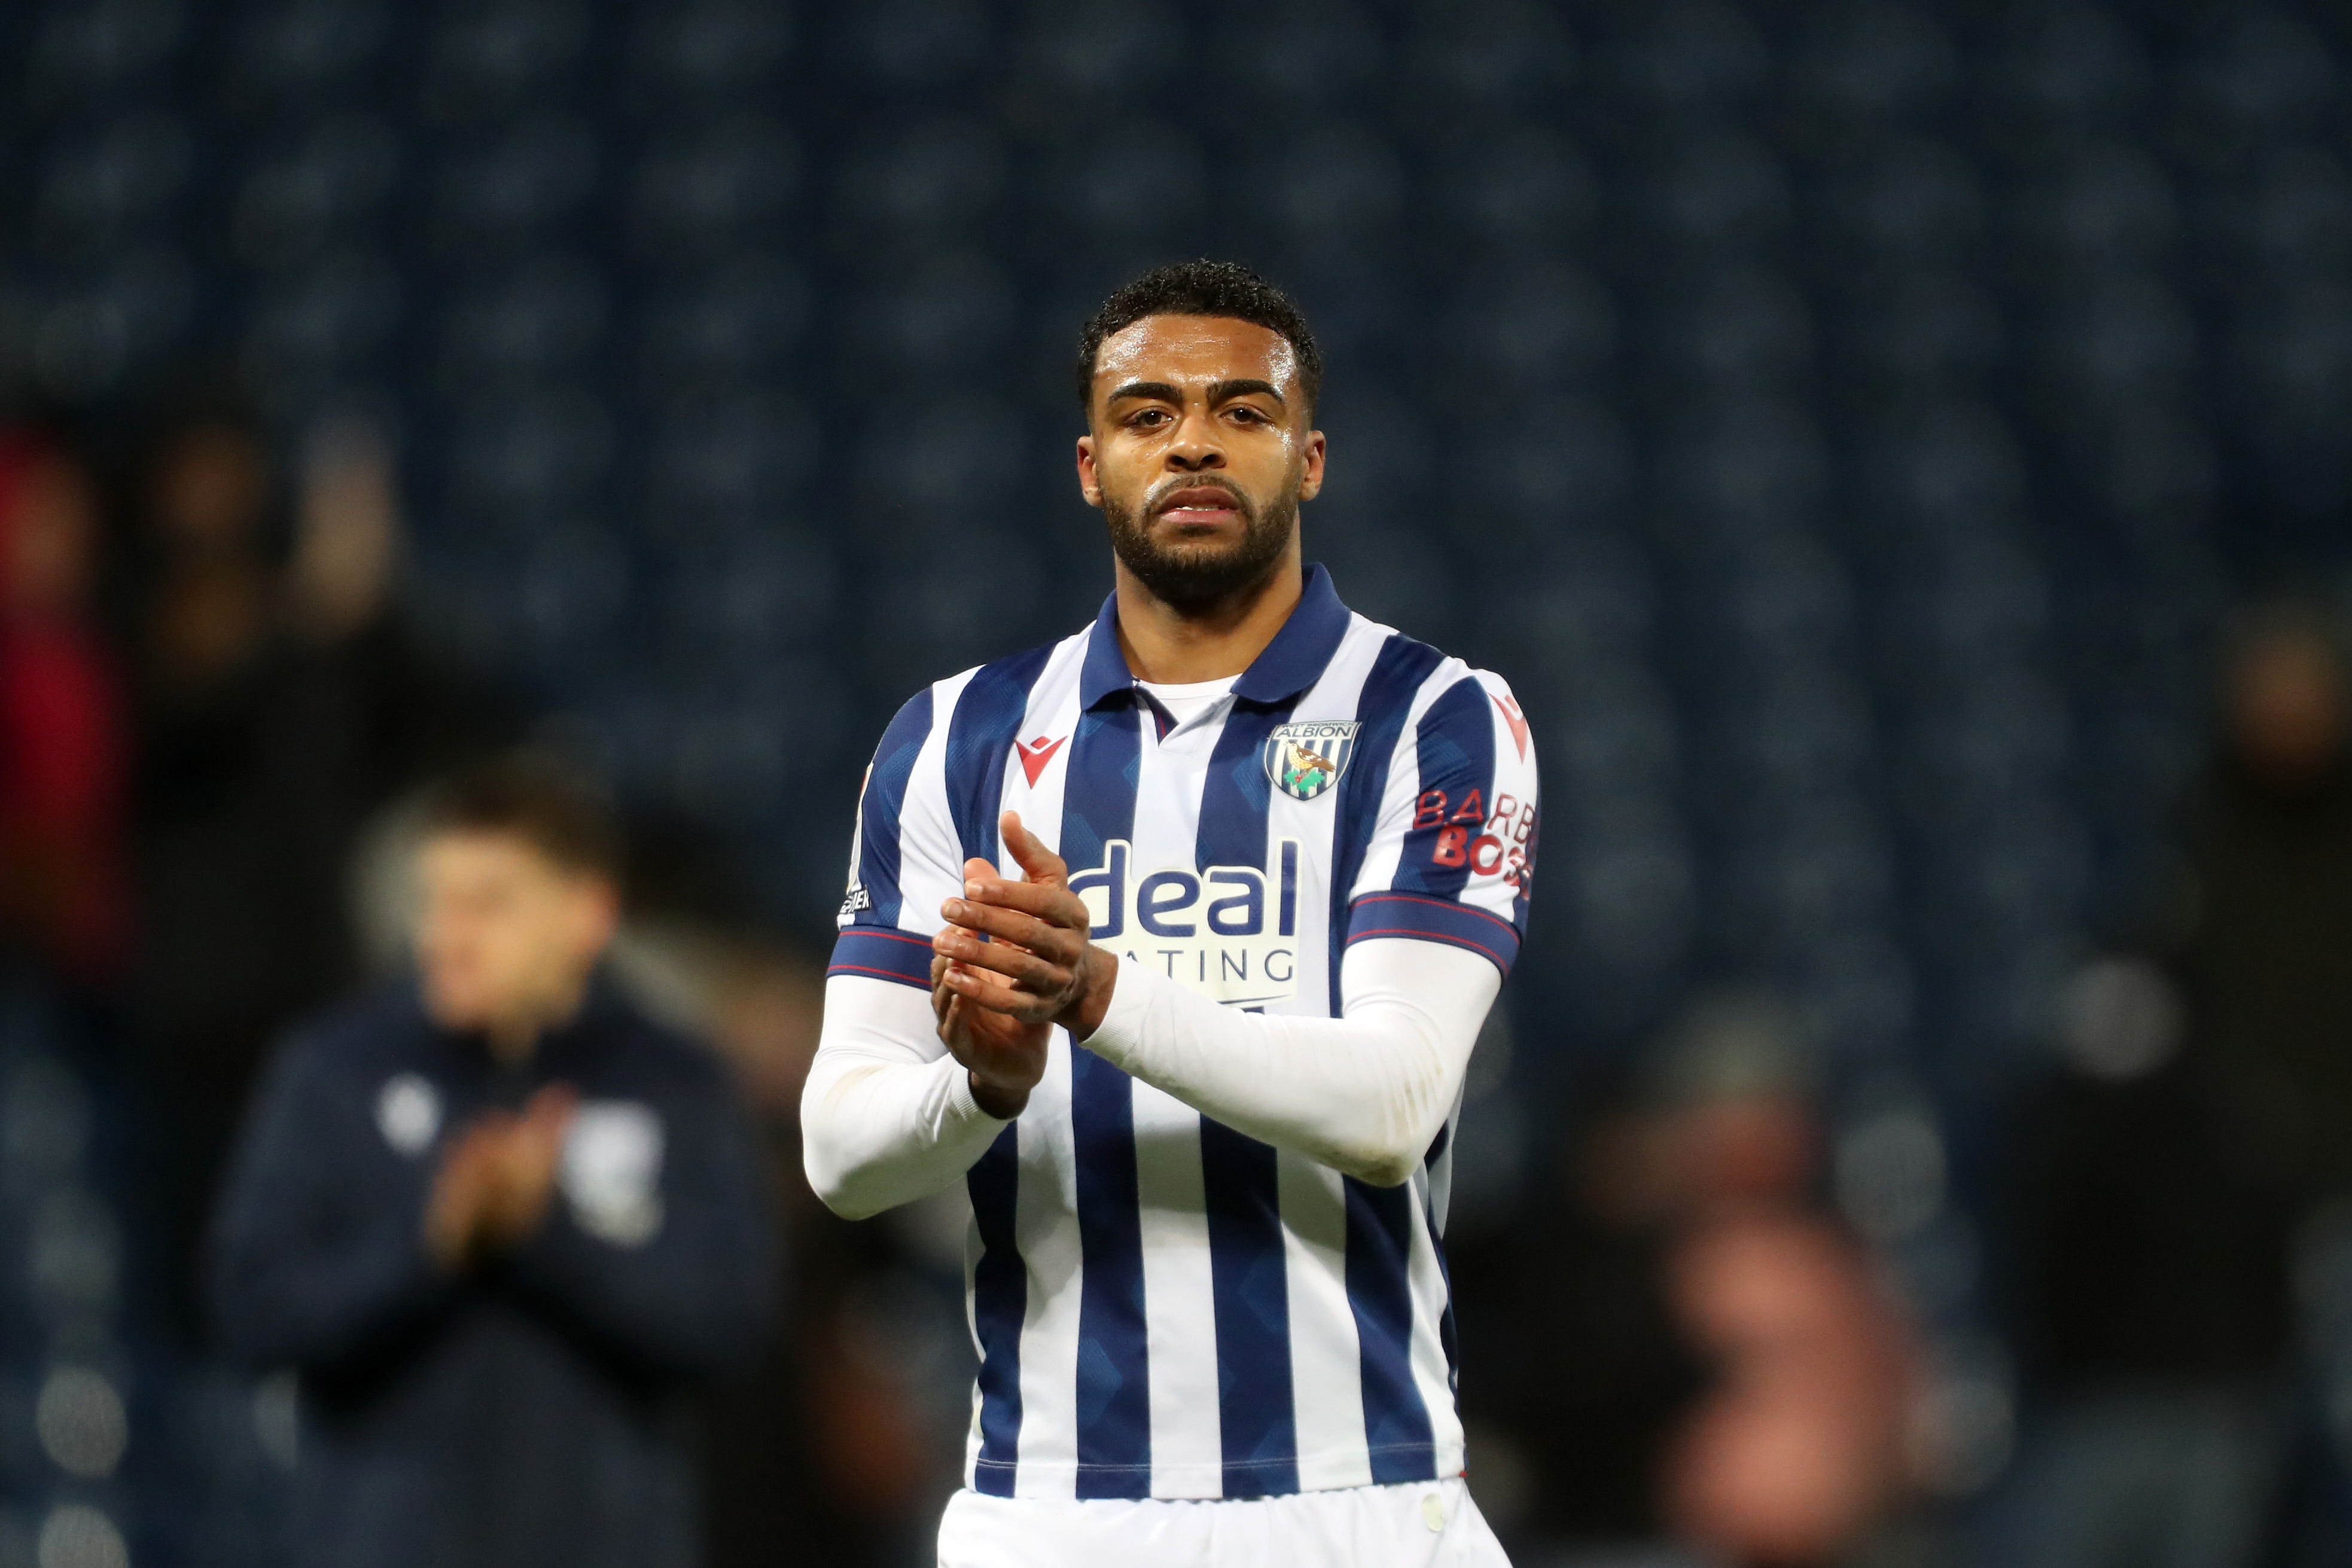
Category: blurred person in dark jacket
[1570,1298]
[1800,1449]
[2263,952]
[64,886]
[2264,944]
[280,707]
[1701,1353]
[498,1221]
[2153,1311]
[2204,1118]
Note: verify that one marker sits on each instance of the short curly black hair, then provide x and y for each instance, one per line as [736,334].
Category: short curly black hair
[1202,288]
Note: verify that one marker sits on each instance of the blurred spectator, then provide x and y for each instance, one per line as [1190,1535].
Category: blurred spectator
[64,892]
[208,572]
[2154,1308]
[497,1220]
[1577,1374]
[2265,928]
[2204,1119]
[1798,1448]
[1699,1350]
[2266,919]
[281,706]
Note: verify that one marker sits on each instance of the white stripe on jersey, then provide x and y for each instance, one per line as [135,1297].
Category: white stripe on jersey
[1326,1369]
[1049,1247]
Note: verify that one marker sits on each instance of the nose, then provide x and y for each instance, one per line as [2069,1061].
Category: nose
[1195,447]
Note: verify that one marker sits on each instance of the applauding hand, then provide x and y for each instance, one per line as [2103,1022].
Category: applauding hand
[497,1178]
[1014,961]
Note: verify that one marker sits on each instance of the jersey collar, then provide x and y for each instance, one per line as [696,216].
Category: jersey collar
[1294,661]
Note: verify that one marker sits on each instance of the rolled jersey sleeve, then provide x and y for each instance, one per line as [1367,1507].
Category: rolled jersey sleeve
[1452,856]
[905,857]
[887,1116]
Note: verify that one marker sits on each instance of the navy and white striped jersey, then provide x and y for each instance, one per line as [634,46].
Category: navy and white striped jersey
[1164,1307]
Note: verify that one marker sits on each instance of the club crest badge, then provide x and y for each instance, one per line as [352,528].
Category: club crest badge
[1304,760]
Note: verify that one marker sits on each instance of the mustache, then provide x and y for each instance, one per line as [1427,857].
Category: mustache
[1157,498]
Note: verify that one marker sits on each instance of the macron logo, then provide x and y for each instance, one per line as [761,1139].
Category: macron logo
[1035,755]
[1516,720]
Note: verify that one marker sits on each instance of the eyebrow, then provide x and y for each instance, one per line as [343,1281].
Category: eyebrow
[1222,391]
[1225,392]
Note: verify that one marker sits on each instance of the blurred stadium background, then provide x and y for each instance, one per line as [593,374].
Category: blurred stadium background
[1848,425]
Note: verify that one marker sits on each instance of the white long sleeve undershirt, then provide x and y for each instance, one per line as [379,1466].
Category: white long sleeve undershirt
[888,1116]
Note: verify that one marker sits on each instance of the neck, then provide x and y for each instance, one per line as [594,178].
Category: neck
[512,1041]
[1180,644]
[515,1037]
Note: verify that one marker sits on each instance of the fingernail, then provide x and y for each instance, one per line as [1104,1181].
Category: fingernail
[971,890]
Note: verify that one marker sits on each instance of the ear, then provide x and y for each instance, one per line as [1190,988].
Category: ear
[599,912]
[1310,483]
[1089,481]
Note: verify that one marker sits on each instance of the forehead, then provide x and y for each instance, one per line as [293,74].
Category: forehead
[1187,350]
[478,851]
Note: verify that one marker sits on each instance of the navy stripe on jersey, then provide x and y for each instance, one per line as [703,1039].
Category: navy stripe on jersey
[1379,1291]
[1434,1162]
[1400,668]
[882,953]
[886,796]
[1114,1382]
[1098,791]
[1248,1276]
[1428,919]
[1455,750]
[1114,1392]
[999,1297]
[1447,1333]
[980,738]
[1250,1287]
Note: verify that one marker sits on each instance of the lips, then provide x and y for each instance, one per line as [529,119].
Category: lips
[1198,505]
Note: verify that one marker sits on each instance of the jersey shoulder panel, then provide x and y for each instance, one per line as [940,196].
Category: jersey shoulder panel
[929,802]
[1452,856]
[901,848]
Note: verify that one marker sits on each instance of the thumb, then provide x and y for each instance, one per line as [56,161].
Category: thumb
[1038,863]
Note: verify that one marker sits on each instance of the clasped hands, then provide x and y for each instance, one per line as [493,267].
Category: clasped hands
[1014,960]
[496,1177]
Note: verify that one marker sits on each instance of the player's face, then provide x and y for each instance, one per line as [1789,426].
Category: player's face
[1199,451]
[504,936]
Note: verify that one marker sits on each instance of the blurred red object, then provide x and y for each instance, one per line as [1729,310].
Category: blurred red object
[64,889]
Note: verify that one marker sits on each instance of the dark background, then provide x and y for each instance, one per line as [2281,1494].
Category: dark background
[1849,426]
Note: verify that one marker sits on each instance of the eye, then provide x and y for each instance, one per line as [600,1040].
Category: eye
[1147,419]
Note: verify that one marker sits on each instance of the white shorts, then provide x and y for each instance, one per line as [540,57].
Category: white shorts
[1425,1524]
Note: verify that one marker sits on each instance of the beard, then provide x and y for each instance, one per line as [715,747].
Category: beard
[1191,576]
